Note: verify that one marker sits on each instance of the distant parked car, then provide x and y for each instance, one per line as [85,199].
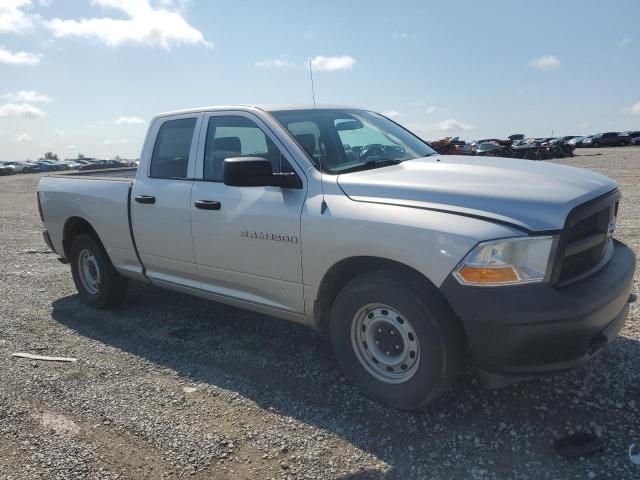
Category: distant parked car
[564,139]
[608,139]
[626,137]
[70,164]
[7,169]
[46,166]
[490,149]
[102,164]
[635,141]
[575,141]
[23,167]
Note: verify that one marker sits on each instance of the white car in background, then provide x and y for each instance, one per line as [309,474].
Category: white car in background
[70,164]
[22,167]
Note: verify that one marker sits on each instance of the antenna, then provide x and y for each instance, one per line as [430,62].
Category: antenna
[323,205]
[313,90]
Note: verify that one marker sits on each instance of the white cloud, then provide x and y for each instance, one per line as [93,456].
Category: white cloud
[59,133]
[117,141]
[451,124]
[71,147]
[162,26]
[18,58]
[430,109]
[635,109]
[274,63]
[391,114]
[12,18]
[332,64]
[129,121]
[20,110]
[546,62]
[24,137]
[403,36]
[29,96]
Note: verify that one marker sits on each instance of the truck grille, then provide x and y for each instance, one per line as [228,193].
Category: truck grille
[585,238]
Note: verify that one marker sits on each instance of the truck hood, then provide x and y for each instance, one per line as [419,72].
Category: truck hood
[533,195]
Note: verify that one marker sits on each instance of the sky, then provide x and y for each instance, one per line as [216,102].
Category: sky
[86,76]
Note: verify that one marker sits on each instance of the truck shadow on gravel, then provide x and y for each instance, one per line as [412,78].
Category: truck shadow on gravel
[290,369]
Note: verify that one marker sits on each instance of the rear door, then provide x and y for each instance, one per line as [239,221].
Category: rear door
[246,239]
[161,201]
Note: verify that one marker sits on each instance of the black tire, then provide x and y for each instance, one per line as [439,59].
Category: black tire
[441,338]
[112,287]
[595,144]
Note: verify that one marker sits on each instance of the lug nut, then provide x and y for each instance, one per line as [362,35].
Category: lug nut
[392,332]
[387,352]
[397,347]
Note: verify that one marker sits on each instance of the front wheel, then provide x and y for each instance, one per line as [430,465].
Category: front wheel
[396,340]
[97,281]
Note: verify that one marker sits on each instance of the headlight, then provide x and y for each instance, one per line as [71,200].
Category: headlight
[506,262]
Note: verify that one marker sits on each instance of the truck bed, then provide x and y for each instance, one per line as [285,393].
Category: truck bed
[100,198]
[115,174]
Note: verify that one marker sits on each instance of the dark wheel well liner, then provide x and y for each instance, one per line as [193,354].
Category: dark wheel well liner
[73,227]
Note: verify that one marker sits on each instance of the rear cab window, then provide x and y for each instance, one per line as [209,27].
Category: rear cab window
[170,158]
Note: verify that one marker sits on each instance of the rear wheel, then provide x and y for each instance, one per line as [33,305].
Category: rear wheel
[97,281]
[396,340]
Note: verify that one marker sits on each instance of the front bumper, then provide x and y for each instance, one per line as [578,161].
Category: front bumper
[531,330]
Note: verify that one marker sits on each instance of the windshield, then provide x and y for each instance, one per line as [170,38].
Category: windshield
[339,141]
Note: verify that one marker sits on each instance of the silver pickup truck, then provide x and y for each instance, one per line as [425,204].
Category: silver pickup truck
[343,220]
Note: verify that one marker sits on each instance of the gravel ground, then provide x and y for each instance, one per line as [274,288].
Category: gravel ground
[172,386]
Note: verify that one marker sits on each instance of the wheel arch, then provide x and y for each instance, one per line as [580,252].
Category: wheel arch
[73,227]
[342,272]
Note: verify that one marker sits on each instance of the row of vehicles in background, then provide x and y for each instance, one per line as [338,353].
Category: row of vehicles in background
[608,139]
[519,146]
[9,168]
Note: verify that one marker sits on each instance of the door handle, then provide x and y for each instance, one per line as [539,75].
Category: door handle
[148,199]
[208,204]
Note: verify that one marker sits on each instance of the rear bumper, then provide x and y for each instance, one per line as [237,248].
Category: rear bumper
[531,330]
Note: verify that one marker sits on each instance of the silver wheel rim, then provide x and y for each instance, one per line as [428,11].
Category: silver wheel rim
[89,271]
[385,343]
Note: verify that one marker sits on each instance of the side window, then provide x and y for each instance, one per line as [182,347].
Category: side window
[170,157]
[236,136]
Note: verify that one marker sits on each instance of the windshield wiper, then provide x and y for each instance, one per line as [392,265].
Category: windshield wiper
[382,162]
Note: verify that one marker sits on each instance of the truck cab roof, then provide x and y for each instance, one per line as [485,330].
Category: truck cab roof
[263,107]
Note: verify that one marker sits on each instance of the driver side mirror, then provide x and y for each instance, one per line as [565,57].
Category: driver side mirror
[256,172]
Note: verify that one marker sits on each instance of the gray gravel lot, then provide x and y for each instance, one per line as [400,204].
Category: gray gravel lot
[172,386]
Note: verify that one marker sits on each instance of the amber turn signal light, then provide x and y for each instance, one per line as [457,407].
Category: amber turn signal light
[488,274]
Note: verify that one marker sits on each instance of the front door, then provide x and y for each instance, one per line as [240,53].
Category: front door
[246,239]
